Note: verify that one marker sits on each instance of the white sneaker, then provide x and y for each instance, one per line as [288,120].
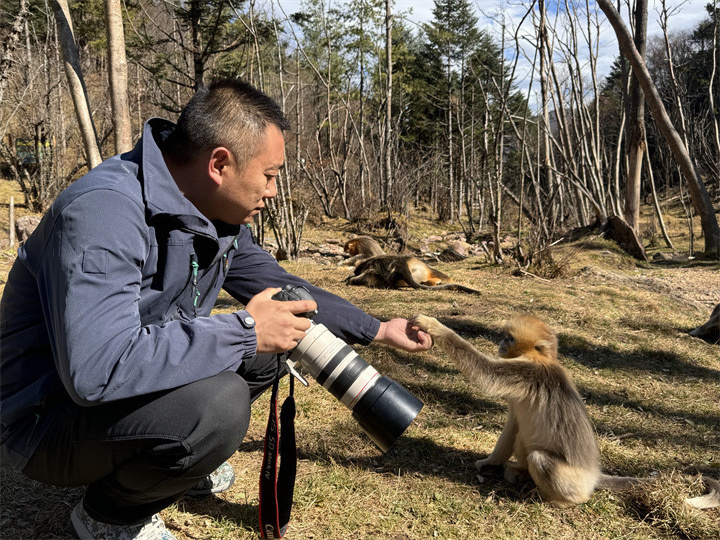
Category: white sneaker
[87,528]
[221,479]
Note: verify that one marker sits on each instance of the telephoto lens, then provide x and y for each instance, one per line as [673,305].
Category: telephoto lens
[382,407]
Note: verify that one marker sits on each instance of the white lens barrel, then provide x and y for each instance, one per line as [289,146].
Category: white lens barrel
[382,407]
[335,365]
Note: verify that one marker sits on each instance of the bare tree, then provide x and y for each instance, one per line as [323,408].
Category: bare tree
[11,42]
[546,169]
[117,74]
[387,148]
[698,192]
[635,140]
[76,83]
[711,95]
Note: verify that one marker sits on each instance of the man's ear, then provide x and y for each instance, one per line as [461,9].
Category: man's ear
[218,165]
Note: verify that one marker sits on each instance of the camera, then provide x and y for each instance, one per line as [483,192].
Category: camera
[382,407]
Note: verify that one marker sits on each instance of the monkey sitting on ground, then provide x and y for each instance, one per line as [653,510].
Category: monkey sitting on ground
[361,248]
[547,429]
[395,271]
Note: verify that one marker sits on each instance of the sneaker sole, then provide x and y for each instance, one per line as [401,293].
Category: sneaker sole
[78,528]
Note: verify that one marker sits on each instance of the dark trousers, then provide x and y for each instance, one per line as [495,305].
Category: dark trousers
[139,455]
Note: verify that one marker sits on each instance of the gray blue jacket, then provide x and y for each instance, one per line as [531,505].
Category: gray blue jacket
[111,297]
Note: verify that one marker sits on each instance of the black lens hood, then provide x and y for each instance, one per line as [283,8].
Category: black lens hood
[385,412]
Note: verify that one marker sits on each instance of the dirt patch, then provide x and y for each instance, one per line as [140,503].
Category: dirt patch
[699,288]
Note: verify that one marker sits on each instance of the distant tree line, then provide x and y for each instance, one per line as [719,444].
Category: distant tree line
[387,115]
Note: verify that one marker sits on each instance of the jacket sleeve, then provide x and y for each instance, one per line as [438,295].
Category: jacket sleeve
[90,278]
[254,270]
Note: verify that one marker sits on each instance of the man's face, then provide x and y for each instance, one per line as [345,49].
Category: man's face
[242,191]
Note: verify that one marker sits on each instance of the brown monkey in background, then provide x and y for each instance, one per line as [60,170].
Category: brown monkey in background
[395,271]
[548,429]
[361,248]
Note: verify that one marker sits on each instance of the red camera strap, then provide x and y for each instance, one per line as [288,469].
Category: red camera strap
[276,489]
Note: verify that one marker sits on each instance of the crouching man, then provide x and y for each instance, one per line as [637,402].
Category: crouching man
[114,374]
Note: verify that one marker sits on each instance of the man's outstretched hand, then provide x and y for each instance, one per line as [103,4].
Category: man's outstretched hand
[400,334]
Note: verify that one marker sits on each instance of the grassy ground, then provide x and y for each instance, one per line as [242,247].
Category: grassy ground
[652,391]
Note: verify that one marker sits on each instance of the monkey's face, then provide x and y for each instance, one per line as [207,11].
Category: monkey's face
[528,336]
[506,345]
[351,247]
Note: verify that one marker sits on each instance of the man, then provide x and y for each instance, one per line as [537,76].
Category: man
[114,375]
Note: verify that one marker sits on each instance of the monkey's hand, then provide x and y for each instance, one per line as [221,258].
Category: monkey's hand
[428,325]
[400,333]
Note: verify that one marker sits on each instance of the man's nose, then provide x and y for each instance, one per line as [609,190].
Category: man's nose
[271,190]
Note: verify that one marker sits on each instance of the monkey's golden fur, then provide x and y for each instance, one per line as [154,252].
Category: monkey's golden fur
[547,429]
[395,271]
[361,248]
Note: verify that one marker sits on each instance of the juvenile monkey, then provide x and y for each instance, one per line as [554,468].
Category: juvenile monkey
[547,429]
[361,248]
[395,271]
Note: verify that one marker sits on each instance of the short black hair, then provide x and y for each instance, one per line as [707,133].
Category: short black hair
[229,113]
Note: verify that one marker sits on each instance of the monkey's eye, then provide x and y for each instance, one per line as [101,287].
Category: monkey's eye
[508,339]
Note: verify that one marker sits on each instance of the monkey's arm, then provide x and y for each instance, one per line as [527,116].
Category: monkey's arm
[504,446]
[353,261]
[506,378]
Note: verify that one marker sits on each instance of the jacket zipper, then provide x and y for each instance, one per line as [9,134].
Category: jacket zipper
[220,265]
[194,272]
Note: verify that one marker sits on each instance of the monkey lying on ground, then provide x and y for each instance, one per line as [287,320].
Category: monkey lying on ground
[548,429]
[361,248]
[395,271]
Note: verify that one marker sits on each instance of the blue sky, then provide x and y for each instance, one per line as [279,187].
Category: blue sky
[691,11]
[685,16]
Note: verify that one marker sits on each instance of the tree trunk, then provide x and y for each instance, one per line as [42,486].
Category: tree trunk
[388,105]
[117,73]
[698,192]
[656,203]
[71,59]
[546,170]
[636,127]
[711,95]
[11,42]
[197,46]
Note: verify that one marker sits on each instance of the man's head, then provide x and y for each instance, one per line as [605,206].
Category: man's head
[229,113]
[231,135]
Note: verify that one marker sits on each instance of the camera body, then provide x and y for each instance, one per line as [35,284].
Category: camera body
[382,407]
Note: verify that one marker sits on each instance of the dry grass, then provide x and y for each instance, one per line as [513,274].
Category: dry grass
[652,391]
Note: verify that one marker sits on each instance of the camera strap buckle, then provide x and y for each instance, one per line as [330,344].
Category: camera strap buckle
[290,365]
[276,488]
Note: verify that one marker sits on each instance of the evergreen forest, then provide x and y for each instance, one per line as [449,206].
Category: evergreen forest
[467,118]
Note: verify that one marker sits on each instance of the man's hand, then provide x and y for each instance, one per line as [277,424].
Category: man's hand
[276,325]
[399,333]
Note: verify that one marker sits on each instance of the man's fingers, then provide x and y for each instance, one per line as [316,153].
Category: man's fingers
[300,306]
[268,293]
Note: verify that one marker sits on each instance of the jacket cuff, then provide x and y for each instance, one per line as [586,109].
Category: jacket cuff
[369,335]
[248,325]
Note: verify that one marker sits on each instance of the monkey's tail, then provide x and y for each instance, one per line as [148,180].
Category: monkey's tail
[618,483]
[710,499]
[444,287]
